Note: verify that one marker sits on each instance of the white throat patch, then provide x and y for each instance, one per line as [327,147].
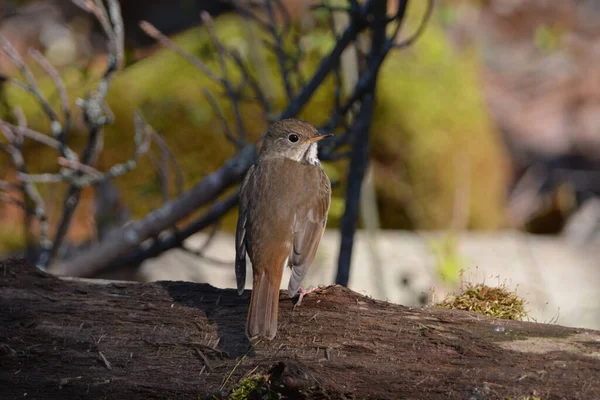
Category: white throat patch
[311,155]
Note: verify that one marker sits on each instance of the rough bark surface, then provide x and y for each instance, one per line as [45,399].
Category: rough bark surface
[74,339]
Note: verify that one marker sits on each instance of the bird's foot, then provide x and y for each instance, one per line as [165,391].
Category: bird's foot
[303,292]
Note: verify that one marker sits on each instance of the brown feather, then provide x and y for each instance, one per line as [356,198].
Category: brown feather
[283,211]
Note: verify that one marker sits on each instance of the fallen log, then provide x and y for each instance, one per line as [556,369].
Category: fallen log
[72,338]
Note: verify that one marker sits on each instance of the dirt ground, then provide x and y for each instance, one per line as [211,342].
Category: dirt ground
[72,339]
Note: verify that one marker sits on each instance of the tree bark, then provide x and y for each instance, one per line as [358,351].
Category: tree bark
[71,338]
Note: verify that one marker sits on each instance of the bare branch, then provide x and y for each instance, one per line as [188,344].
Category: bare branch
[38,137]
[151,31]
[29,190]
[77,166]
[168,154]
[279,47]
[201,252]
[20,116]
[232,95]
[421,28]
[62,92]
[31,85]
[221,115]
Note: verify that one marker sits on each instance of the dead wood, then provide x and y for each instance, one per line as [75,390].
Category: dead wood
[73,339]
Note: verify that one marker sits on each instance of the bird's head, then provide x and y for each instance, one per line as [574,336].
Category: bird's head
[294,139]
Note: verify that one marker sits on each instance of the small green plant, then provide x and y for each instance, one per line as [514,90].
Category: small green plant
[498,302]
[449,262]
[254,387]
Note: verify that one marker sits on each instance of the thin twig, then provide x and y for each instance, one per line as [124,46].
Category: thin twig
[232,95]
[221,115]
[278,48]
[31,85]
[154,33]
[420,29]
[62,92]
[168,153]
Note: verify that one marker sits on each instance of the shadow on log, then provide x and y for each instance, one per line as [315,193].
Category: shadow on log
[72,339]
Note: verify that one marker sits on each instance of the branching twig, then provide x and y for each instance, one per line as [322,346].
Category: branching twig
[420,29]
[62,93]
[154,33]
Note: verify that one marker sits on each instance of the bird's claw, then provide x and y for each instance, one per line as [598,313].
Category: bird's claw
[303,292]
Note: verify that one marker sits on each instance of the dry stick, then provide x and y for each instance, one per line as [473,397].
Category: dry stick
[420,29]
[175,239]
[203,357]
[238,364]
[41,138]
[260,96]
[164,148]
[27,216]
[232,95]
[21,119]
[221,115]
[62,92]
[201,251]
[279,50]
[77,166]
[30,191]
[161,169]
[257,58]
[154,33]
[30,84]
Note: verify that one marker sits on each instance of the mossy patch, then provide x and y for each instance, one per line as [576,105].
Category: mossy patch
[254,387]
[498,302]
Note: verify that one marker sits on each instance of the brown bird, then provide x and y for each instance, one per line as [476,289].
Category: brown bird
[284,202]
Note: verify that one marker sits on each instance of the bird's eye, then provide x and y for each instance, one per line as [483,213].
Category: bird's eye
[293,138]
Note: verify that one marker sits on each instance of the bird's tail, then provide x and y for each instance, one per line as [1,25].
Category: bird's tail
[264,304]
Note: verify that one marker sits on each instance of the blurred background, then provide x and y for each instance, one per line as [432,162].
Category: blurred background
[484,158]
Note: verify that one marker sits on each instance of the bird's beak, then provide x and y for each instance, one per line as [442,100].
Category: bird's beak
[320,137]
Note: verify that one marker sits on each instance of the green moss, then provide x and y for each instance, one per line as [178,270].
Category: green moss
[254,387]
[497,302]
[432,133]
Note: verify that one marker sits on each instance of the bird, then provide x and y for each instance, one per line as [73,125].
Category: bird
[283,206]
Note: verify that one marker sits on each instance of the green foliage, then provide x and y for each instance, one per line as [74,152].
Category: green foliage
[498,302]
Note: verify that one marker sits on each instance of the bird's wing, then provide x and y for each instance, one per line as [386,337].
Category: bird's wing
[240,234]
[309,223]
